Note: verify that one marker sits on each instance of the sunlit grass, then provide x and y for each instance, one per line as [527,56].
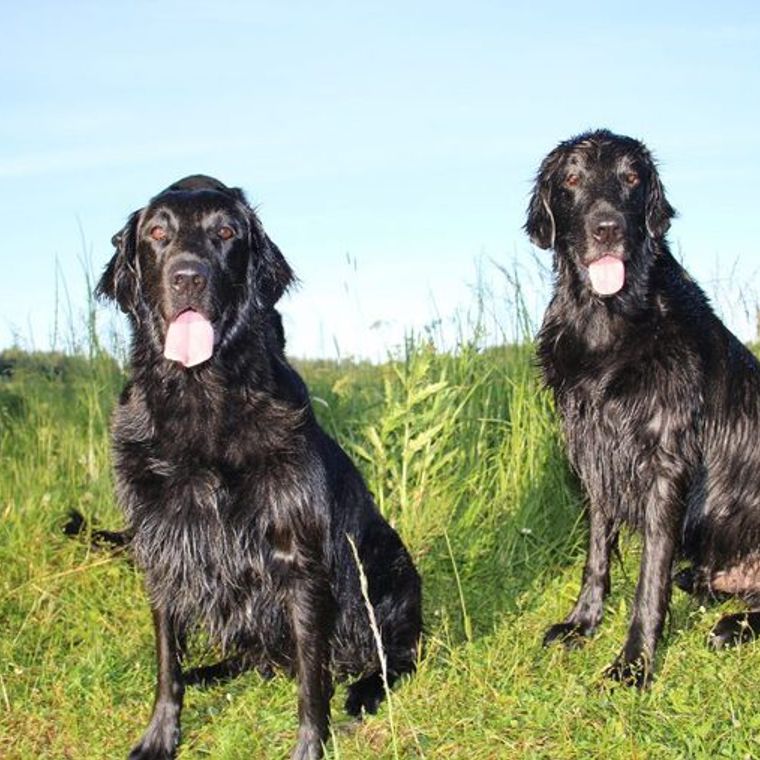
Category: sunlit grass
[461,449]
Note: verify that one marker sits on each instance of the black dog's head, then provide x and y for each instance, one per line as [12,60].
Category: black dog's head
[597,201]
[193,268]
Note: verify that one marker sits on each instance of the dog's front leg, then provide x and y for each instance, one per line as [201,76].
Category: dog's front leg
[159,742]
[587,612]
[634,664]
[312,612]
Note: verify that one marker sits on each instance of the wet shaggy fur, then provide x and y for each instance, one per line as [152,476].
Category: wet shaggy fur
[239,507]
[660,403]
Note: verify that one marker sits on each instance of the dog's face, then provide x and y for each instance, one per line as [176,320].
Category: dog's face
[597,201]
[193,267]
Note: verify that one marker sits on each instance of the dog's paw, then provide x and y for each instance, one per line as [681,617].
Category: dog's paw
[75,524]
[144,751]
[159,742]
[733,630]
[309,747]
[365,695]
[686,580]
[571,635]
[630,672]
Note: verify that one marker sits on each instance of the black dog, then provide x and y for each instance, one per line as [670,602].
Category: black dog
[660,402]
[239,507]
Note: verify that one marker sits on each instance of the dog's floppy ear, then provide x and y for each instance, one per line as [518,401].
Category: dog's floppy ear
[540,224]
[275,274]
[271,273]
[120,281]
[658,212]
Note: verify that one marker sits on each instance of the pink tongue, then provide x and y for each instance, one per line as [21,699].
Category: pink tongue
[607,275]
[189,339]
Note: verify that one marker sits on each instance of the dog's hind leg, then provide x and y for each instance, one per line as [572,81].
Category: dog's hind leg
[367,693]
[739,628]
[225,670]
[686,579]
[741,579]
[401,637]
[696,583]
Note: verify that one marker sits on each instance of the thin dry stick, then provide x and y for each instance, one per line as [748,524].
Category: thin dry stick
[465,617]
[55,576]
[5,695]
[378,640]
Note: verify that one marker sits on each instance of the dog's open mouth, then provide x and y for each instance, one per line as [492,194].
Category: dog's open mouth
[607,275]
[189,339]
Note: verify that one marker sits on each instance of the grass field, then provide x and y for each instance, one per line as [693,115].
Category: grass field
[463,453]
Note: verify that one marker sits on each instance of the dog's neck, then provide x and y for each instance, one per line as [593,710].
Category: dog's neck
[578,323]
[228,370]
[595,324]
[206,409]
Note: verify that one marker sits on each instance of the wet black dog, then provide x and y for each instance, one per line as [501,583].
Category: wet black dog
[660,402]
[239,507]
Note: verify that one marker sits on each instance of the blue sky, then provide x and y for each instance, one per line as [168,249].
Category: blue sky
[388,147]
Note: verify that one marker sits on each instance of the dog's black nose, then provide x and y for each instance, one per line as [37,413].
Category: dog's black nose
[607,232]
[188,279]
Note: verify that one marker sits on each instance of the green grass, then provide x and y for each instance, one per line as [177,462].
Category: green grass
[463,454]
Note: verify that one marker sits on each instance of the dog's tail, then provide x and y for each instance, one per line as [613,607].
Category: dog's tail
[76,525]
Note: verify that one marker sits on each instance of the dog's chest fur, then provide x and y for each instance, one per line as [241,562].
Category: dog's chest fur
[208,531]
[628,424]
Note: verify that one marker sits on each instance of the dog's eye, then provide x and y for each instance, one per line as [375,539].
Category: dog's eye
[158,232]
[225,233]
[573,180]
[631,179]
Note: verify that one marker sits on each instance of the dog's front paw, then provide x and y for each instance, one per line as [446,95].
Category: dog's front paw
[144,751]
[571,635]
[158,743]
[308,748]
[633,671]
